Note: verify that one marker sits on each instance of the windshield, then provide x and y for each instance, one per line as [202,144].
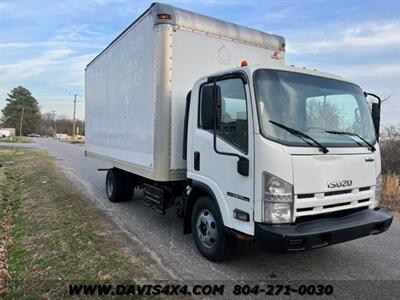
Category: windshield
[312,105]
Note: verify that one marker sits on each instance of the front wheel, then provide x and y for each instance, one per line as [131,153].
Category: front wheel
[209,232]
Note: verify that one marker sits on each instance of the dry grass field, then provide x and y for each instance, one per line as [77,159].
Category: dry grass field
[50,236]
[390,153]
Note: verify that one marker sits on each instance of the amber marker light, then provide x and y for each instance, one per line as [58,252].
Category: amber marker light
[244,63]
[164,16]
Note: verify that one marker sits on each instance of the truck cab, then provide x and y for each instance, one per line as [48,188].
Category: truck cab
[287,157]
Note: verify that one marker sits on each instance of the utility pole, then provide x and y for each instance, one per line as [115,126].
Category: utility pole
[55,122]
[73,120]
[20,124]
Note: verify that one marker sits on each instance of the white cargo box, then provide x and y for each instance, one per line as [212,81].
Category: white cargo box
[136,88]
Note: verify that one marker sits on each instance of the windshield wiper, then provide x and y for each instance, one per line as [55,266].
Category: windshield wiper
[302,135]
[350,134]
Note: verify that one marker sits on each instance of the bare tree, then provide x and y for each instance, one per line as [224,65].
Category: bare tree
[390,149]
[64,125]
[386,98]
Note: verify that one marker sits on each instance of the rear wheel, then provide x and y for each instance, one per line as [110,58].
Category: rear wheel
[120,185]
[209,232]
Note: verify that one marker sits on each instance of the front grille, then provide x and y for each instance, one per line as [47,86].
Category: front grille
[363,200]
[305,209]
[304,196]
[367,188]
[336,205]
[327,194]
[307,204]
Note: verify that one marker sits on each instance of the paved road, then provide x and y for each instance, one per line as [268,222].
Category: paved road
[371,258]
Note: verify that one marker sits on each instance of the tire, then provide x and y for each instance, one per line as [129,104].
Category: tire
[209,232]
[120,186]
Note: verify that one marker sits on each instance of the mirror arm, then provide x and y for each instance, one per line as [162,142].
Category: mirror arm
[243,162]
[375,96]
[221,152]
[375,118]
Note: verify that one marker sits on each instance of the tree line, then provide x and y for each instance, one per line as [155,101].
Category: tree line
[50,125]
[22,112]
[390,149]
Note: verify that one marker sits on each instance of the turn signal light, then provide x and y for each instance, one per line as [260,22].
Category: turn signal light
[241,237]
[241,215]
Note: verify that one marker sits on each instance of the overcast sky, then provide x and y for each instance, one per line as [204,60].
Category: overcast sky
[45,44]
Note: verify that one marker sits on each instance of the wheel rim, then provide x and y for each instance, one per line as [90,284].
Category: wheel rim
[206,227]
[110,186]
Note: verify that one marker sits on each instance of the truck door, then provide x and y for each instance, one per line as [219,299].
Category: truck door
[233,191]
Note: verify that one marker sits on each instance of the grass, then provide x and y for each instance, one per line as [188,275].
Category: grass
[391,192]
[17,139]
[50,236]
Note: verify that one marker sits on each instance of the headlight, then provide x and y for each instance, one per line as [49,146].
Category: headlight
[277,212]
[378,188]
[278,200]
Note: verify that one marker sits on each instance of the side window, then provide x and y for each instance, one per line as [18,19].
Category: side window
[234,128]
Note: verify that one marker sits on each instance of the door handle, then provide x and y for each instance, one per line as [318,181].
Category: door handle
[196,161]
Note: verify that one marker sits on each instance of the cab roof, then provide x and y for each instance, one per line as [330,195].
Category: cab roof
[302,70]
[273,66]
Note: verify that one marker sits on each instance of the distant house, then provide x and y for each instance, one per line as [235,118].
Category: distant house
[61,136]
[7,132]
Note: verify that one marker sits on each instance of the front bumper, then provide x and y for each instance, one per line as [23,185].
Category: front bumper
[322,232]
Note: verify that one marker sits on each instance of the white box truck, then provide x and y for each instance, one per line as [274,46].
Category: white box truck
[204,116]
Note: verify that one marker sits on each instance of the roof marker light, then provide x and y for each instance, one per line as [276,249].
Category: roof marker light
[244,63]
[164,16]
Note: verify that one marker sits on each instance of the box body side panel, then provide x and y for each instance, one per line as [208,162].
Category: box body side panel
[120,101]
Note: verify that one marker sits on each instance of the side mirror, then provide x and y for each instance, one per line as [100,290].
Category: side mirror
[376,117]
[210,107]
